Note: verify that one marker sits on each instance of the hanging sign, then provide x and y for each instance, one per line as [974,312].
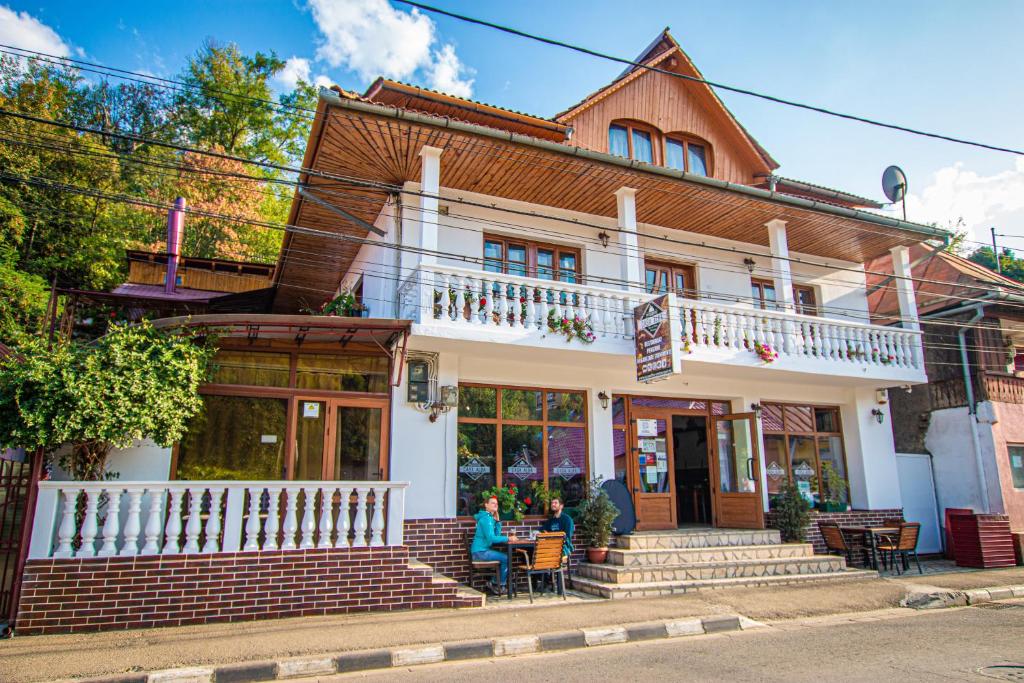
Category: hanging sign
[646,427]
[522,469]
[567,470]
[474,469]
[655,331]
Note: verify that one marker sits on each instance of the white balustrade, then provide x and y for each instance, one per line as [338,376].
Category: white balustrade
[213,517]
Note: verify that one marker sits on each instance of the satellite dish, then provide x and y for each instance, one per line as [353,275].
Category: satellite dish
[894,183]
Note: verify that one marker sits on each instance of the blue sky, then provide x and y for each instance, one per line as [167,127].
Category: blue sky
[948,67]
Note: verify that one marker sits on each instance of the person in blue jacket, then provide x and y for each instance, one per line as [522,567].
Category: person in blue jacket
[559,521]
[488,532]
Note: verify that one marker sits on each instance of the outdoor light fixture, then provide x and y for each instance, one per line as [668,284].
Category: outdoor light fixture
[749,263]
[449,400]
[603,398]
[879,415]
[756,407]
[603,236]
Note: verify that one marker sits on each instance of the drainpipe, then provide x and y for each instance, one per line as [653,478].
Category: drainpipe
[972,413]
[175,219]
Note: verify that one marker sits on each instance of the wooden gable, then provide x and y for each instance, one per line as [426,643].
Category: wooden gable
[670,105]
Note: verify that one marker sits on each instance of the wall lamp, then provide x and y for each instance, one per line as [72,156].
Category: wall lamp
[749,263]
[604,237]
[879,415]
[603,398]
[757,408]
[449,400]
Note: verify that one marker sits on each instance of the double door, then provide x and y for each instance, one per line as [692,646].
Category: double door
[340,439]
[733,469]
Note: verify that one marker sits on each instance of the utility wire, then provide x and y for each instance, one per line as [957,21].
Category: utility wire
[714,84]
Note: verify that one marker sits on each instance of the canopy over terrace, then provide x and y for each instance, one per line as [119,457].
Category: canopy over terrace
[360,153]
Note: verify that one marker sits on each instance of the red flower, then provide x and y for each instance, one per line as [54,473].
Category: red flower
[483,301]
[527,501]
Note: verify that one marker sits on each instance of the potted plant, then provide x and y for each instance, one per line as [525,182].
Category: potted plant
[542,495]
[834,496]
[594,518]
[509,505]
[792,512]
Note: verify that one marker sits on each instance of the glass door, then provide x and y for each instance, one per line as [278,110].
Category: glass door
[652,470]
[310,440]
[737,473]
[340,440]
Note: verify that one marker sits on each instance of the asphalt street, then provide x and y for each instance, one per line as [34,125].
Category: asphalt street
[942,645]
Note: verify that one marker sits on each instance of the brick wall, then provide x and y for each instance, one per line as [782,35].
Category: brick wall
[93,594]
[850,518]
[440,542]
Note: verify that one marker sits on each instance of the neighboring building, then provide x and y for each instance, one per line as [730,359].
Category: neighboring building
[471,232]
[970,416]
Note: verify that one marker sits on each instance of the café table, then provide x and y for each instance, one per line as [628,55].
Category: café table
[513,551]
[871,534]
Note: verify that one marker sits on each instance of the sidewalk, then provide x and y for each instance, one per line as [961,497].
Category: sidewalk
[47,657]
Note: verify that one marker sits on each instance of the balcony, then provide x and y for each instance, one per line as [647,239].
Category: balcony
[472,305]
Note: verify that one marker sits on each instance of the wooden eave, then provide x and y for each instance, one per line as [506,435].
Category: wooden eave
[382,145]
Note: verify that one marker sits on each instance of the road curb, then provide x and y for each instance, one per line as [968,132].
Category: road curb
[406,656]
[940,599]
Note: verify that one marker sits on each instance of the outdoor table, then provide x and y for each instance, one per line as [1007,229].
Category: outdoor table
[871,534]
[513,546]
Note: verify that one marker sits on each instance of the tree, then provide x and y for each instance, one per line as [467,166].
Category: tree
[1012,267]
[136,382]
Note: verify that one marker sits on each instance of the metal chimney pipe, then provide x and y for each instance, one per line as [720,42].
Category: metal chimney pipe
[175,221]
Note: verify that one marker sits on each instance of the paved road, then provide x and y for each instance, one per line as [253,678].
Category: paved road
[908,646]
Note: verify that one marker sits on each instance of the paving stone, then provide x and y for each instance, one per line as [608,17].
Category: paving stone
[720,624]
[564,640]
[245,672]
[309,666]
[362,661]
[474,649]
[516,646]
[429,654]
[605,636]
[186,675]
[684,627]
[649,631]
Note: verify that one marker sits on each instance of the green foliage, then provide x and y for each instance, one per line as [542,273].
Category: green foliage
[136,382]
[792,512]
[508,502]
[835,485]
[595,515]
[1012,266]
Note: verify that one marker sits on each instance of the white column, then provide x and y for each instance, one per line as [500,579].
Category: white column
[602,461]
[870,453]
[779,244]
[632,259]
[430,186]
[905,287]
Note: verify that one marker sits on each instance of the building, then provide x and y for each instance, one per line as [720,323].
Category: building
[501,257]
[970,416]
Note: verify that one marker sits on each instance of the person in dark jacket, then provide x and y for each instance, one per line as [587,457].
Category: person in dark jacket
[488,532]
[559,521]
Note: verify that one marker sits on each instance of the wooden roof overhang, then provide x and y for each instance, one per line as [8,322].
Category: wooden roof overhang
[377,148]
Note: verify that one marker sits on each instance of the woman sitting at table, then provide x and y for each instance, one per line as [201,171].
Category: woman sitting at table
[488,533]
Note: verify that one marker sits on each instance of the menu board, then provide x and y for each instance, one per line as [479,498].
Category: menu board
[655,334]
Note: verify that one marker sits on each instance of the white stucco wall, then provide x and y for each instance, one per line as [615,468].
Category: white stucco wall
[949,441]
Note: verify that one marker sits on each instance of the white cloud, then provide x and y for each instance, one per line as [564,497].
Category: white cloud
[372,38]
[21,29]
[298,69]
[982,201]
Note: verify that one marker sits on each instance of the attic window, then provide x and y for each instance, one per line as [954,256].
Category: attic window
[633,141]
[687,154]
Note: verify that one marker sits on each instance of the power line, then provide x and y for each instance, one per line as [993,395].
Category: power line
[714,84]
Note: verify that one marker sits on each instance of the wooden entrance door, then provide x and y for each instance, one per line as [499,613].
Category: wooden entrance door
[340,440]
[652,469]
[736,472]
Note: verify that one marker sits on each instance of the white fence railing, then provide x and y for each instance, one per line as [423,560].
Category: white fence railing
[472,298]
[103,519]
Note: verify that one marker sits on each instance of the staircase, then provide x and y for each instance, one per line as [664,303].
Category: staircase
[646,564]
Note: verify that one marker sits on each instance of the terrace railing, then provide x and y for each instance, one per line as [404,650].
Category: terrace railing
[103,519]
[476,299]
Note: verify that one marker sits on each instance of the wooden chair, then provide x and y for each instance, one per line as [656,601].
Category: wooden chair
[903,545]
[547,560]
[837,543]
[490,568]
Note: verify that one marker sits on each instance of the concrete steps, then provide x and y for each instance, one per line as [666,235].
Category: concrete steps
[671,562]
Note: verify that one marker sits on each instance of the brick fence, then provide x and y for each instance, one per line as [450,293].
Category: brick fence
[440,542]
[92,594]
[849,518]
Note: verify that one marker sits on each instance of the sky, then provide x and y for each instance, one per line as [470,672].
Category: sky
[942,66]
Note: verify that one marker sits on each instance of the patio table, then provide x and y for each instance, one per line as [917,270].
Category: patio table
[871,534]
[514,546]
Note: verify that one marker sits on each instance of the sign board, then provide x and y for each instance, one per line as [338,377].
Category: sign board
[310,409]
[803,470]
[775,471]
[474,469]
[268,438]
[805,490]
[522,469]
[655,333]
[646,427]
[567,469]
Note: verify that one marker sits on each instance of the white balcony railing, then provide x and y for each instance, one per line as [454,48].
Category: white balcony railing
[462,297]
[103,519]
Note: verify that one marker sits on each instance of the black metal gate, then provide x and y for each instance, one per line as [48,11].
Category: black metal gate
[15,487]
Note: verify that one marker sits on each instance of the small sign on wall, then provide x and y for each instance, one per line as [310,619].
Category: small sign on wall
[268,438]
[311,409]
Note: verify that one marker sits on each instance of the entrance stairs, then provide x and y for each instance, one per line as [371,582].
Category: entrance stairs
[651,563]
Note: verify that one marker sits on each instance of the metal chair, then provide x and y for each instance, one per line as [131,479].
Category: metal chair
[903,545]
[479,568]
[547,560]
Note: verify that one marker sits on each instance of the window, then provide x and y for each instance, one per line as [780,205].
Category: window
[686,154]
[633,141]
[799,441]
[531,259]
[510,435]
[764,296]
[670,277]
[1016,453]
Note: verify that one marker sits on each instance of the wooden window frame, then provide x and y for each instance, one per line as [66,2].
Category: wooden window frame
[657,144]
[800,308]
[686,140]
[761,302]
[786,433]
[531,247]
[674,268]
[1009,459]
[498,421]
